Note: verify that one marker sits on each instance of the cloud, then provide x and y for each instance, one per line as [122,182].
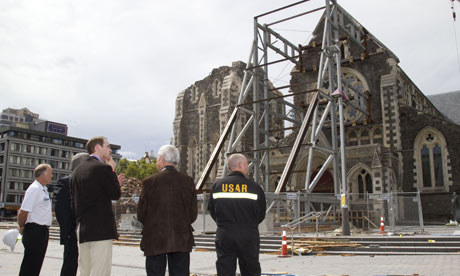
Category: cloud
[129,155]
[115,67]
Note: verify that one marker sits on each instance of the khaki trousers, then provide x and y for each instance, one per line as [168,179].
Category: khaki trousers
[95,258]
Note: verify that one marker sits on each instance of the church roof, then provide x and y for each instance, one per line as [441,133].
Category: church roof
[318,32]
[448,104]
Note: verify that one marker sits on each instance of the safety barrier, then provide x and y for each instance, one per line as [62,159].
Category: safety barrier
[308,212]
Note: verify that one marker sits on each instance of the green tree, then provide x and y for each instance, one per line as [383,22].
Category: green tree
[122,166]
[138,169]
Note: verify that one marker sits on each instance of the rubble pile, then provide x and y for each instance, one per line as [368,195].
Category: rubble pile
[130,186]
[130,192]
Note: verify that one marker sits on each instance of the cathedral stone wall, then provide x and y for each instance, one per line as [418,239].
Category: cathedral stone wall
[202,112]
[435,199]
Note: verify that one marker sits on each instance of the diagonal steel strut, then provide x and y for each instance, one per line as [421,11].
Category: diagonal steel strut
[217,149]
[298,142]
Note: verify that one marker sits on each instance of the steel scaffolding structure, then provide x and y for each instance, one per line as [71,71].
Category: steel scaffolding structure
[330,90]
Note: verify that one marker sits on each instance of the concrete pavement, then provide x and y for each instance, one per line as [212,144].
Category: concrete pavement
[130,261]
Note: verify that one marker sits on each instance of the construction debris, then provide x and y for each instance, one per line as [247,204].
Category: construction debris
[131,186]
[306,246]
[130,192]
[353,229]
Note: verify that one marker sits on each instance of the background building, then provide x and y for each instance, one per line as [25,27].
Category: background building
[25,142]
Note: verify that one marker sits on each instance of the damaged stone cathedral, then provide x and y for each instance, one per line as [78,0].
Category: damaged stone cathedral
[405,144]
[202,111]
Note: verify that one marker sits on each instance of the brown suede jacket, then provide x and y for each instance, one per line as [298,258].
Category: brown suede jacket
[167,208]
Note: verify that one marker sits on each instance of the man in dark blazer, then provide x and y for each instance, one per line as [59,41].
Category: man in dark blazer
[167,208]
[66,219]
[94,185]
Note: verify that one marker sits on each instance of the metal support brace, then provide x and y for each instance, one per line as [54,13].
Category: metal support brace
[296,148]
[216,151]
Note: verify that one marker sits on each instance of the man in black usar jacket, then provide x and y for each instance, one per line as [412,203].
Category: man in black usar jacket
[237,205]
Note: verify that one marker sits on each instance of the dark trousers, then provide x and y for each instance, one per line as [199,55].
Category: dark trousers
[70,257]
[242,243]
[178,264]
[35,241]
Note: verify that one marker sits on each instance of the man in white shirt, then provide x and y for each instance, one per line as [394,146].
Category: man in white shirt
[34,219]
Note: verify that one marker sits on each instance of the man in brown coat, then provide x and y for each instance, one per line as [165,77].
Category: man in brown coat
[167,208]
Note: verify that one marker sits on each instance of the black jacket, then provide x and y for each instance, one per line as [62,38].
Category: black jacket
[237,200]
[63,210]
[94,185]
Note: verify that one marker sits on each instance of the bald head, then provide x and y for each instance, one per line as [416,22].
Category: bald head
[238,163]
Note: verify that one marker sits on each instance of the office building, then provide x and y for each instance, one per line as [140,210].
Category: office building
[27,141]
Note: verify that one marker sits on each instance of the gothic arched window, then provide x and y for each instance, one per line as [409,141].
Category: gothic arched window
[364,183]
[360,181]
[365,139]
[352,138]
[377,137]
[431,159]
[431,162]
[356,89]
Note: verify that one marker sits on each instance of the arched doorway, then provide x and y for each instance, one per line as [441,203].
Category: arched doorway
[325,183]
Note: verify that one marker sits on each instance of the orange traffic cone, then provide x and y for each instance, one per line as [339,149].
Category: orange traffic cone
[382,225]
[284,252]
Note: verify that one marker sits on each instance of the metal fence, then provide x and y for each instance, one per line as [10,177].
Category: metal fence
[308,212]
[302,211]
[125,210]
[401,212]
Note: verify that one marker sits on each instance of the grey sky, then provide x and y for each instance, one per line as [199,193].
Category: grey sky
[114,67]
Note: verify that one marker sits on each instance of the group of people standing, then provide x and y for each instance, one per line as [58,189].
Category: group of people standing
[167,208]
[83,201]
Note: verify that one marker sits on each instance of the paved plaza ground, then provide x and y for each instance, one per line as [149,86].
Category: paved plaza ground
[130,261]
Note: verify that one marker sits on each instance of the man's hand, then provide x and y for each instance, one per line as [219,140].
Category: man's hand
[111,162]
[22,218]
[121,178]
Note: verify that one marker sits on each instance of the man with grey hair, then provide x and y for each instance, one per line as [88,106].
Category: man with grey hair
[237,205]
[167,208]
[34,219]
[66,219]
